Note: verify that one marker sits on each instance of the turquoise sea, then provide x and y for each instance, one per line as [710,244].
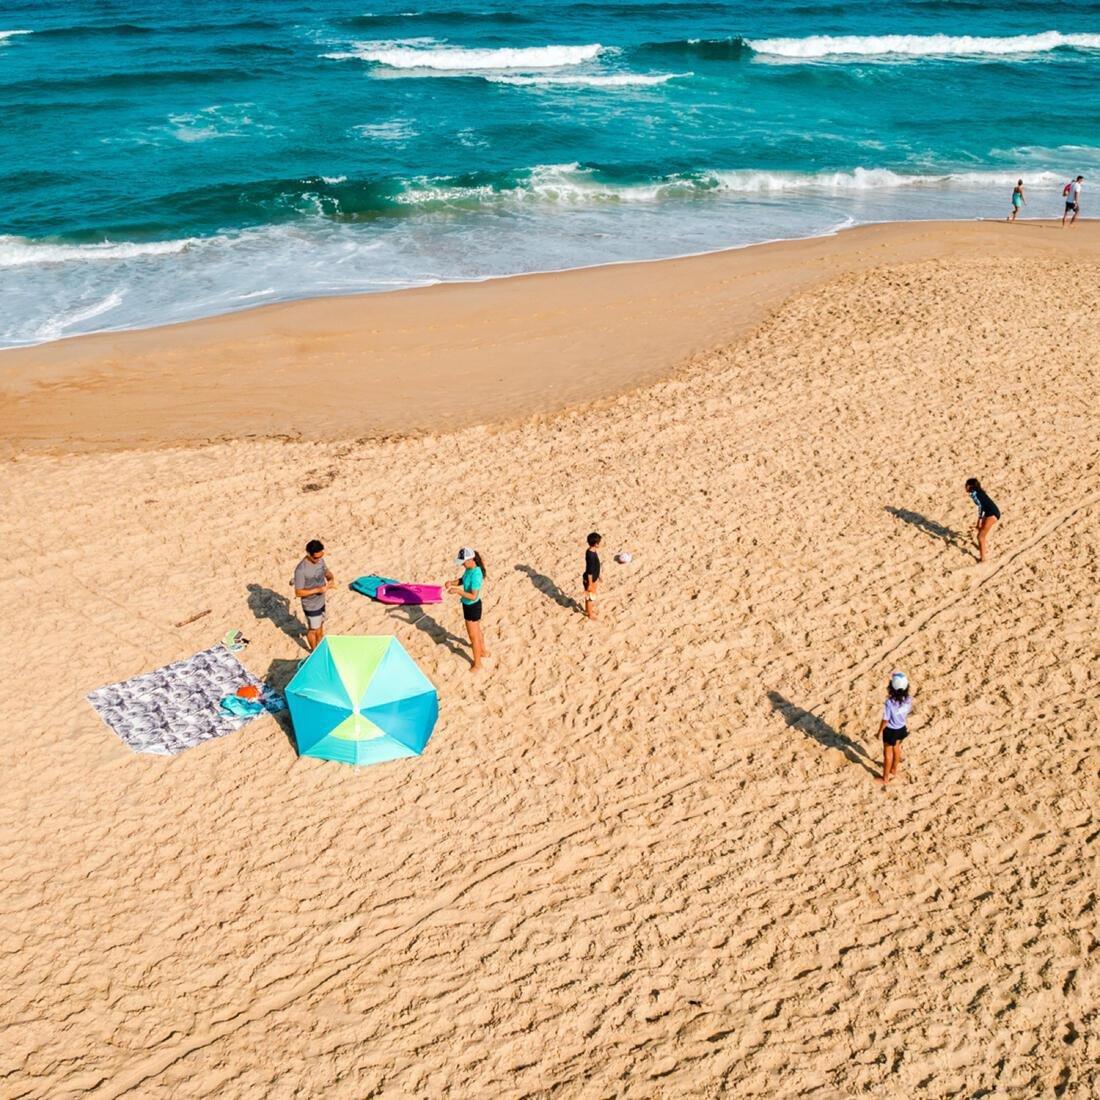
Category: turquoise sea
[167,161]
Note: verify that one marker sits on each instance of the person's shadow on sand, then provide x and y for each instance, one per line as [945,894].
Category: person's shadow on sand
[264,603]
[415,615]
[549,589]
[279,673]
[820,731]
[929,527]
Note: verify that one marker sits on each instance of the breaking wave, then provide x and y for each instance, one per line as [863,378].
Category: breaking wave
[21,251]
[580,80]
[920,45]
[395,55]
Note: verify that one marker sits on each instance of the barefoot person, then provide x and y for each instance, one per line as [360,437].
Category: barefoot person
[468,588]
[988,513]
[1018,200]
[892,729]
[312,580]
[591,579]
[1072,194]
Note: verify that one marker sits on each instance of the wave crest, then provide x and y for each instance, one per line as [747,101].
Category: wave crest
[21,251]
[920,45]
[580,80]
[703,49]
[393,55]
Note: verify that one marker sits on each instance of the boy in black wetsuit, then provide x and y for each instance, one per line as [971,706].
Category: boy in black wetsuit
[591,576]
[988,513]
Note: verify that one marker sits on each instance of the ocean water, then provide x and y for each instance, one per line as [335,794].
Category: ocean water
[166,161]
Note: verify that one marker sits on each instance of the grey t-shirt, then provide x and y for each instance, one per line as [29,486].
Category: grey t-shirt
[308,574]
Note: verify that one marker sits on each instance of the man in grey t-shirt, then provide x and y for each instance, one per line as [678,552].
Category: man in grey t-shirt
[312,580]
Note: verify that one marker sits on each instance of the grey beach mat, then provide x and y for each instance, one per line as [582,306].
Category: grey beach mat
[175,707]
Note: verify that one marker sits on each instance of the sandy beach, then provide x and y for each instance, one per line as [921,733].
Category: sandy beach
[642,857]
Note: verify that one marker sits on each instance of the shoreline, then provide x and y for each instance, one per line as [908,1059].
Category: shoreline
[581,335]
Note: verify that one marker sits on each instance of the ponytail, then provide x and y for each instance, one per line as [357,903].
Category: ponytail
[480,564]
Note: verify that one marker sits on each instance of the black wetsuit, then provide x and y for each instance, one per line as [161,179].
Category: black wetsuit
[986,507]
[591,568]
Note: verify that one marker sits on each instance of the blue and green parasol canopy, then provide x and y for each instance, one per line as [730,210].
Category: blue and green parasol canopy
[361,700]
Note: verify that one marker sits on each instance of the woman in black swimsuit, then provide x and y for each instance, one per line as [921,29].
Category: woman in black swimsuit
[988,513]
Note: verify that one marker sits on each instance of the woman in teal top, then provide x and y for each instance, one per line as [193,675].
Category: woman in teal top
[1017,200]
[468,588]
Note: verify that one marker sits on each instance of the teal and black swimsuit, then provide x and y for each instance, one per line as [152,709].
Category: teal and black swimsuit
[986,507]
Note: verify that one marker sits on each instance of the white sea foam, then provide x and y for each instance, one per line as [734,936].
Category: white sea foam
[396,131]
[596,80]
[5,35]
[453,59]
[571,184]
[56,326]
[20,251]
[920,45]
[861,179]
[218,121]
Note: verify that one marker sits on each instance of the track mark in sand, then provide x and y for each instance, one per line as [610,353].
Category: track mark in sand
[160,1061]
[892,645]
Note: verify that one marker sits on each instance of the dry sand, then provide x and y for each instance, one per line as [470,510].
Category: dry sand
[641,858]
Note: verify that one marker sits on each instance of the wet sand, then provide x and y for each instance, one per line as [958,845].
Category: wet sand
[447,357]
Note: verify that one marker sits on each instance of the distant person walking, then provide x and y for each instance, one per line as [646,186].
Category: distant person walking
[988,513]
[1018,200]
[468,588]
[1072,194]
[893,728]
[312,580]
[591,579]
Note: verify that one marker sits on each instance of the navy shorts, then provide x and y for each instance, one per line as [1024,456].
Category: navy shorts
[894,737]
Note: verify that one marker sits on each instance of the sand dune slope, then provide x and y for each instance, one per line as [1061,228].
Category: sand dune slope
[645,858]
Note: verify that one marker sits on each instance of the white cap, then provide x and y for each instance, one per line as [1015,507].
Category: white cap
[464,555]
[899,681]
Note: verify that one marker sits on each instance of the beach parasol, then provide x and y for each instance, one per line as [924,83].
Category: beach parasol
[360,700]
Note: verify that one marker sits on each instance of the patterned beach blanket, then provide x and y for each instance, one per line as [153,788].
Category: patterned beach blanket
[178,706]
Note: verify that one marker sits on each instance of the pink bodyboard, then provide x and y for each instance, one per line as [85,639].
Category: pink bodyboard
[410,593]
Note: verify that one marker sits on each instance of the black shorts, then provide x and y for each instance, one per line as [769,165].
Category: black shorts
[894,737]
[1070,206]
[471,612]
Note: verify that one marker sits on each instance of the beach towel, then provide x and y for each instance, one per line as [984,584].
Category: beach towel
[178,706]
[370,584]
[242,708]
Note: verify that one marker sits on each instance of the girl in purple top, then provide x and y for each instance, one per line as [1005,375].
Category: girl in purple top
[892,729]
